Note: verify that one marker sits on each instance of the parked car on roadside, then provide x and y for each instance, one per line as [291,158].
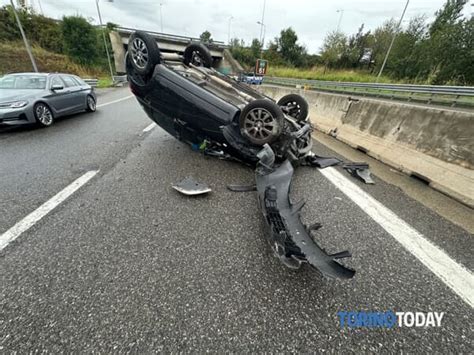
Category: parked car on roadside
[27,98]
[250,78]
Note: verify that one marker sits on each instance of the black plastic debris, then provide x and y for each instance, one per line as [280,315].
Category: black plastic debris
[190,187]
[360,171]
[290,239]
[242,188]
[320,162]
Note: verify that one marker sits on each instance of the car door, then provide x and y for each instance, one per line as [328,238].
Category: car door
[74,99]
[58,99]
[84,90]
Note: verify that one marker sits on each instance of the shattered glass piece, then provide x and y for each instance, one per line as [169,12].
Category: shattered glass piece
[189,186]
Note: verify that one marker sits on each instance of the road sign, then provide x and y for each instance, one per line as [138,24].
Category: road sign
[261,67]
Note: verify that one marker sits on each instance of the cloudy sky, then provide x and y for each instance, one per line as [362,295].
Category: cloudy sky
[311,19]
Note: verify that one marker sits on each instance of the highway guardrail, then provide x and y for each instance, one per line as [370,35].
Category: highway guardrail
[436,94]
[92,82]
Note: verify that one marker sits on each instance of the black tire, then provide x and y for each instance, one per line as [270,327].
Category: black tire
[198,55]
[91,105]
[132,76]
[261,121]
[43,115]
[295,106]
[143,52]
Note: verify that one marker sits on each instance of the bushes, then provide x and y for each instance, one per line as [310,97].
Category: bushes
[14,58]
[80,40]
[74,36]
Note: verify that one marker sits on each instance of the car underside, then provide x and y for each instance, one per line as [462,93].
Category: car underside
[221,117]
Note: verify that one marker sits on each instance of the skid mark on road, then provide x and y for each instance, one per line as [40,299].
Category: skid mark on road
[30,220]
[115,101]
[453,274]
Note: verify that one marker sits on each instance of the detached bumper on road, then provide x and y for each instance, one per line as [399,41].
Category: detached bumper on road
[289,237]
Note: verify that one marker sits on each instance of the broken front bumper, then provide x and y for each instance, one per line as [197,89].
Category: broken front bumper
[289,237]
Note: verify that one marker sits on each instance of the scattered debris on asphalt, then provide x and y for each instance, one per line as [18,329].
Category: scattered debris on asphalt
[290,239]
[360,171]
[320,162]
[242,188]
[190,187]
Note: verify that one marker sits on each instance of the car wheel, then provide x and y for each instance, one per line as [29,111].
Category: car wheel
[198,55]
[43,114]
[261,121]
[144,52]
[295,106]
[91,104]
[132,76]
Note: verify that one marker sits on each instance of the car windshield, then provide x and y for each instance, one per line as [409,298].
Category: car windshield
[23,82]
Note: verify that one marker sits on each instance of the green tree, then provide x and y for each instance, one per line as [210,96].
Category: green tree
[409,58]
[357,48]
[290,50]
[333,49]
[379,42]
[255,48]
[80,40]
[451,45]
[205,37]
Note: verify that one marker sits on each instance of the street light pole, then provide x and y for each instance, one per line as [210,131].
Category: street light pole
[391,43]
[228,30]
[25,40]
[340,19]
[105,41]
[261,21]
[161,16]
[263,37]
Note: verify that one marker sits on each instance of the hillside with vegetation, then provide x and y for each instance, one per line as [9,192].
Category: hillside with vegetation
[71,45]
[440,52]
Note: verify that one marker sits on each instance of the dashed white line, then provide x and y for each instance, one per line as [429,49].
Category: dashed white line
[453,274]
[149,127]
[115,101]
[30,220]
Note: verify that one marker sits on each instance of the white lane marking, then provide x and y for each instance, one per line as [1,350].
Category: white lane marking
[115,101]
[453,274]
[149,127]
[30,220]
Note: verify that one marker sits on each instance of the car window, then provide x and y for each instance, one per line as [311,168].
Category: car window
[26,81]
[79,81]
[68,80]
[56,81]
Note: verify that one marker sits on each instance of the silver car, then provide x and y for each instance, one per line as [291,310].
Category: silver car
[27,98]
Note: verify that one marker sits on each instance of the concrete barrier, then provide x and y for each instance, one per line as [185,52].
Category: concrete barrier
[433,144]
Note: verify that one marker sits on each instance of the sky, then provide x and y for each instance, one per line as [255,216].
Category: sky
[311,19]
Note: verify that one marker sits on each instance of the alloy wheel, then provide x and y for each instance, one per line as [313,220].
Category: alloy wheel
[44,115]
[139,53]
[260,124]
[91,103]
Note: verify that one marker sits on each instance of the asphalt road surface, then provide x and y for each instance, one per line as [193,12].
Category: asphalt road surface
[121,262]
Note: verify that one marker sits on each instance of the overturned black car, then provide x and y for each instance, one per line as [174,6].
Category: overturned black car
[221,117]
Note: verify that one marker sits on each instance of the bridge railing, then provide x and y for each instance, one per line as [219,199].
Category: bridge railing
[436,94]
[170,36]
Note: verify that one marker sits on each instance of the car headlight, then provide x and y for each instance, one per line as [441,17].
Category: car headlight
[18,104]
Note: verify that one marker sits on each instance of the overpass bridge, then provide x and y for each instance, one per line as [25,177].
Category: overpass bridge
[223,59]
